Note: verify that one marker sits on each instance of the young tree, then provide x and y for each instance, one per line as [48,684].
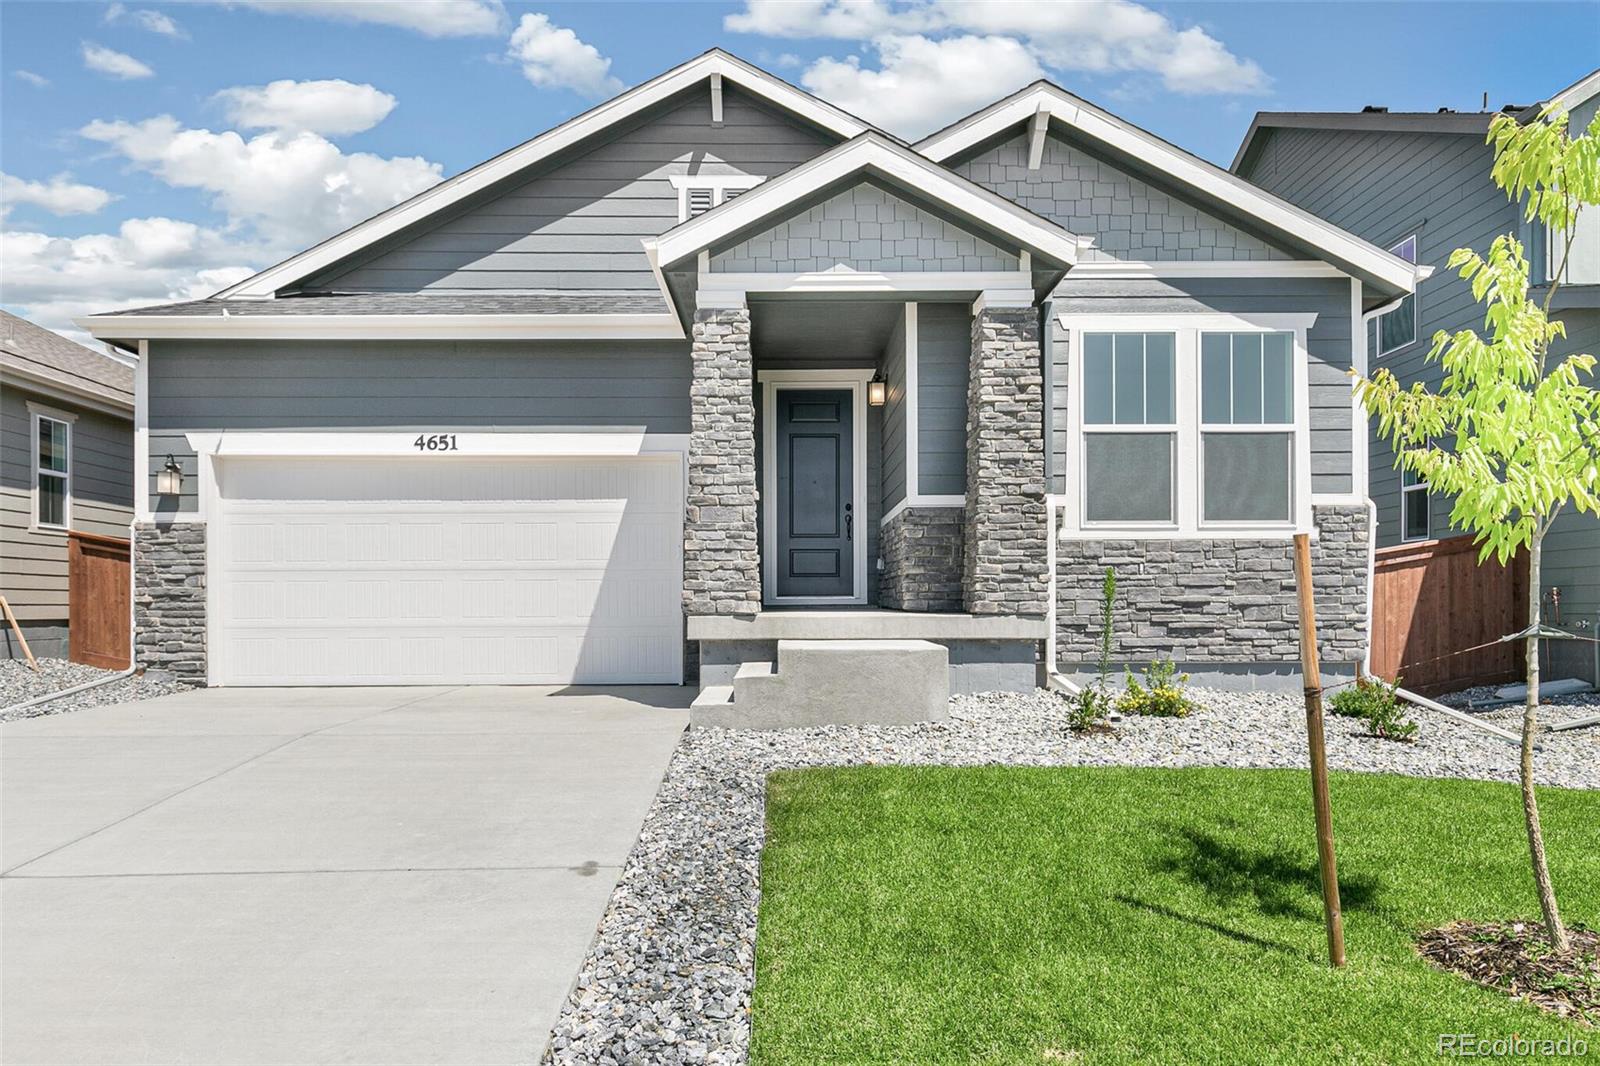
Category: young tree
[1514,439]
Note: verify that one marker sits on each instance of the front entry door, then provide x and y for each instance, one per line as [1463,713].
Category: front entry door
[816,516]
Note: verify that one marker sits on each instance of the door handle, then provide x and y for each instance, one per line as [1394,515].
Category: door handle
[849,522]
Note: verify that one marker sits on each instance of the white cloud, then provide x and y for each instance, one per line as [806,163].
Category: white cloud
[114,64]
[922,84]
[38,81]
[59,196]
[293,189]
[553,57]
[52,280]
[431,18]
[154,21]
[1095,36]
[332,107]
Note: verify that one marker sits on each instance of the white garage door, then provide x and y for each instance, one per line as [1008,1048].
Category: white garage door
[447,571]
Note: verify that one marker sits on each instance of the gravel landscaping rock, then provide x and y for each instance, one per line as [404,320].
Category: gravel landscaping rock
[668,979]
[19,684]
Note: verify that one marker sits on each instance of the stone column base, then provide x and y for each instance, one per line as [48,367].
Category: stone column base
[169,601]
[921,552]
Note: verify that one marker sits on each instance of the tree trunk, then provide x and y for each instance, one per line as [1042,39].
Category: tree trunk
[1530,722]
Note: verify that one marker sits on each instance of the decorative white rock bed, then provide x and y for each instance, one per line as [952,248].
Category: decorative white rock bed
[669,976]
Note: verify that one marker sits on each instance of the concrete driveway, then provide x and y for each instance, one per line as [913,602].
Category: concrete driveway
[289,876]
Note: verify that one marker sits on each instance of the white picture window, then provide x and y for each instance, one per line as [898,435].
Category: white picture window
[1186,425]
[1414,517]
[1247,427]
[52,476]
[699,193]
[1130,427]
[1398,328]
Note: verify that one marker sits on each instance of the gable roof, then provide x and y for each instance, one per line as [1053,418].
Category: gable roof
[1188,173]
[870,155]
[714,64]
[43,357]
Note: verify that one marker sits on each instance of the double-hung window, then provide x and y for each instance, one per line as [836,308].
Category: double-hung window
[1130,427]
[1398,328]
[1188,425]
[1247,427]
[1414,519]
[52,471]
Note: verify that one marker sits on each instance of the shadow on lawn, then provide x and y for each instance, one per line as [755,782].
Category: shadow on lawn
[1205,923]
[1284,885]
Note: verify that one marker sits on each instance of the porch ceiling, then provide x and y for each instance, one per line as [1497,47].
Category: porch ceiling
[824,332]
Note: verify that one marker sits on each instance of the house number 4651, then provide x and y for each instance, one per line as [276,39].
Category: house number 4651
[436,442]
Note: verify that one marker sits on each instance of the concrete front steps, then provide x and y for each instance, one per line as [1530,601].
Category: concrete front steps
[832,682]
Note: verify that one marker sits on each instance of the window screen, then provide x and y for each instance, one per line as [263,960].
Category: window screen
[1128,477]
[1248,477]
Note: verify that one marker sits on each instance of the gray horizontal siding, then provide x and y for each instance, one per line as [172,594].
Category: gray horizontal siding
[34,563]
[1129,218]
[1384,186]
[408,386]
[863,228]
[944,348]
[578,226]
[894,418]
[1328,343]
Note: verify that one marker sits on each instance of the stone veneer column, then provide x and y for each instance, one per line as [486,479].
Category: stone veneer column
[721,563]
[1004,569]
[169,601]
[921,552]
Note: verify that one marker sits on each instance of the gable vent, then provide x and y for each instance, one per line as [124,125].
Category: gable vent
[699,201]
[728,194]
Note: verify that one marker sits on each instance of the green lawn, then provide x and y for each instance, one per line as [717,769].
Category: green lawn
[1007,915]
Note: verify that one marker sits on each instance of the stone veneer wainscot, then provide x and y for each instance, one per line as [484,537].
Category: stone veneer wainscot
[921,551]
[169,601]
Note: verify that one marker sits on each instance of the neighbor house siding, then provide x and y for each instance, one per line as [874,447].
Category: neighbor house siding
[578,225]
[1129,218]
[1385,187]
[944,349]
[894,418]
[863,228]
[1328,342]
[407,386]
[34,562]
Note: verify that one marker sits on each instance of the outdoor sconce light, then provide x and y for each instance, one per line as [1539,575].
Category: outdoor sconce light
[877,390]
[170,481]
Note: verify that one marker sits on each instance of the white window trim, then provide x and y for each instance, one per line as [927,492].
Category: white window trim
[1420,488]
[1188,470]
[771,381]
[719,184]
[40,413]
[1416,324]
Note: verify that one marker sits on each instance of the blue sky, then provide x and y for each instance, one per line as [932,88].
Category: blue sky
[160,151]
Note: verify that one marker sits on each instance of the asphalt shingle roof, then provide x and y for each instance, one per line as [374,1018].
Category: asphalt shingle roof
[39,353]
[628,302]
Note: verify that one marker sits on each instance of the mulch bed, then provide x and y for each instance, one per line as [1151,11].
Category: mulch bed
[1515,958]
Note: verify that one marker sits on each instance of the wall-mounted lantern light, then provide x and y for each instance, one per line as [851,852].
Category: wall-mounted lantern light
[877,390]
[170,481]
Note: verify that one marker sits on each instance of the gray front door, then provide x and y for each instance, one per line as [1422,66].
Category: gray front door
[816,513]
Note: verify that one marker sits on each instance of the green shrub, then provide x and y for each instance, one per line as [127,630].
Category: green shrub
[1089,709]
[1161,695]
[1375,701]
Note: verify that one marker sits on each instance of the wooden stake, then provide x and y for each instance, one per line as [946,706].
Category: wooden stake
[17,629]
[1319,751]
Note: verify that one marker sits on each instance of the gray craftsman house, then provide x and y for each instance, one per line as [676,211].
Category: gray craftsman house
[717,381]
[66,464]
[1419,185]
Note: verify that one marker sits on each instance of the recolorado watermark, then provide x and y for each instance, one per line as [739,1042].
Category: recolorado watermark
[1473,1046]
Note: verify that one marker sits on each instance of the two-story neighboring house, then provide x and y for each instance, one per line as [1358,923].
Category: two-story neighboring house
[1419,185]
[66,465]
[715,378]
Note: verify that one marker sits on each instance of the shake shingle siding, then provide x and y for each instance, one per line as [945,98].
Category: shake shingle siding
[578,225]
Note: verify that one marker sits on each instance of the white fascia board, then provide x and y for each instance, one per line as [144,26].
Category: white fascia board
[65,392]
[866,281]
[1185,169]
[869,155]
[484,175]
[1579,92]
[384,327]
[1207,268]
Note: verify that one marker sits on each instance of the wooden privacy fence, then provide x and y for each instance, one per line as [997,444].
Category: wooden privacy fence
[98,600]
[1431,601]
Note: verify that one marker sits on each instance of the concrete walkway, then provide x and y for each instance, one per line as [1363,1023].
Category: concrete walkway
[293,876]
